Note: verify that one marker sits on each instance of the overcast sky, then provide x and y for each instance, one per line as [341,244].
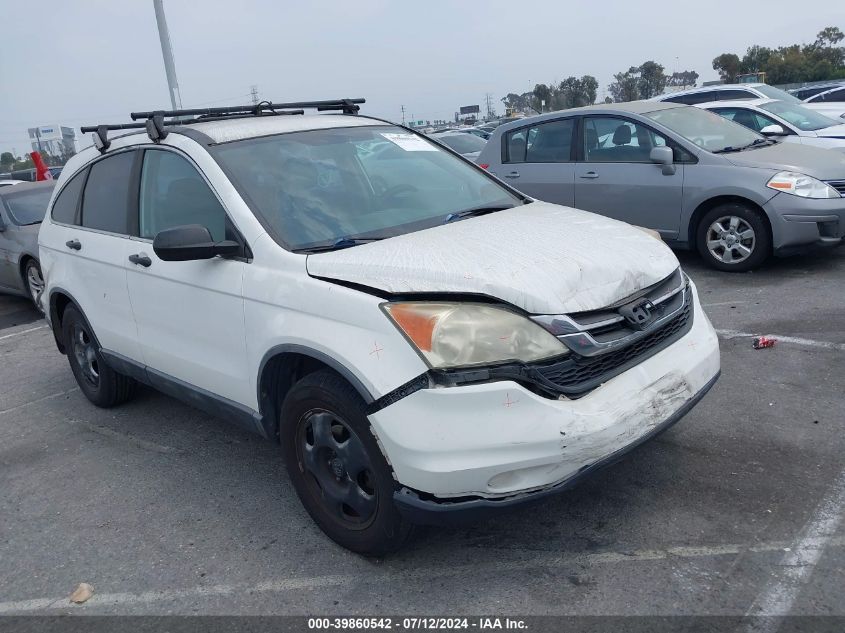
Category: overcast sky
[77,62]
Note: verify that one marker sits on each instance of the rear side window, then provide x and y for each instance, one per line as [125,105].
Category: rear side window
[729,95]
[65,206]
[544,143]
[696,97]
[834,95]
[105,203]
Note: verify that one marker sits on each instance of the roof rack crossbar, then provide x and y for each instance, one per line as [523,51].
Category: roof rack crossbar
[348,106]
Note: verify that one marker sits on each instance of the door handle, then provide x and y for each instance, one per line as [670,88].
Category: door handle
[589,174]
[139,259]
[73,245]
[513,174]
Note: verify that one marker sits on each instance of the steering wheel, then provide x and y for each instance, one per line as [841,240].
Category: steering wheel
[398,190]
[700,142]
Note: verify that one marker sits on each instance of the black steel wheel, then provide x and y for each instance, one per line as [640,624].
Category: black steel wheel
[337,467]
[102,385]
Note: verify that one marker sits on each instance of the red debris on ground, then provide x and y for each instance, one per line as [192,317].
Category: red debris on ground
[764,341]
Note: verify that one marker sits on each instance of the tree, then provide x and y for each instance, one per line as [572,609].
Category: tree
[829,37]
[6,161]
[756,58]
[683,79]
[625,86]
[573,92]
[652,80]
[728,67]
[542,95]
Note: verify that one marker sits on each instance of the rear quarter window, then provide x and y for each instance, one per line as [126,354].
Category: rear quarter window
[105,202]
[67,202]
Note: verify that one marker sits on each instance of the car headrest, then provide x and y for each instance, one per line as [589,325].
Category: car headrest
[622,135]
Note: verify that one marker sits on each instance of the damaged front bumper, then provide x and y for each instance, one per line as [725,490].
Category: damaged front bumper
[473,449]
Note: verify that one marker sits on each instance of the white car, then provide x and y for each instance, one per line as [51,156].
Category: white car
[8,182]
[425,342]
[790,121]
[830,102]
[726,92]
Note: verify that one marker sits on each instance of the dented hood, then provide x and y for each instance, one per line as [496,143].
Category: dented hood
[543,258]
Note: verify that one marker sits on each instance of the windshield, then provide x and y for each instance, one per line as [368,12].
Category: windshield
[321,186]
[28,207]
[704,128]
[463,143]
[776,93]
[799,116]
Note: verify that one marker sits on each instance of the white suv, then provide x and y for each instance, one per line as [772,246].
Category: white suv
[425,342]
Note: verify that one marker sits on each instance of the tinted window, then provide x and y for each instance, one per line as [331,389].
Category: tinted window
[64,208]
[834,95]
[174,194]
[612,140]
[692,99]
[105,203]
[516,142]
[728,95]
[29,207]
[550,142]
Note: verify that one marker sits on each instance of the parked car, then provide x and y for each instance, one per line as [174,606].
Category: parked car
[791,122]
[420,337]
[484,134]
[8,182]
[727,92]
[468,145]
[700,180]
[810,91]
[22,209]
[830,102]
[29,175]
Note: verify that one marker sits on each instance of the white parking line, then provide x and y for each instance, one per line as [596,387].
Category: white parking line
[37,400]
[32,329]
[797,565]
[808,342]
[519,563]
[723,303]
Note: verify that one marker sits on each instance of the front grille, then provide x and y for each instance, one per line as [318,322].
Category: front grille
[839,185]
[577,375]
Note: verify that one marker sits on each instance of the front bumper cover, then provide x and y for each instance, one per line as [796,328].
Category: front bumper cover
[426,510]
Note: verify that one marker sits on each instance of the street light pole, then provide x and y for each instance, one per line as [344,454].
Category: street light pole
[167,54]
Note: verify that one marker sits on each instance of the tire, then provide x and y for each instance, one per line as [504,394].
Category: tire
[34,281]
[102,385]
[333,458]
[733,237]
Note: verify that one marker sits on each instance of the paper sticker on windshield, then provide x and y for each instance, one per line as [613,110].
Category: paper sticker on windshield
[409,142]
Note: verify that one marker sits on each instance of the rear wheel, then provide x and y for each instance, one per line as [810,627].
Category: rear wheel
[102,385]
[733,237]
[34,281]
[336,466]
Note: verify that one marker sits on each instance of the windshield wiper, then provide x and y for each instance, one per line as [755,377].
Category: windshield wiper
[343,242]
[753,143]
[471,213]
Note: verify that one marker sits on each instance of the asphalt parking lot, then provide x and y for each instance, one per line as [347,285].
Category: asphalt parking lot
[164,510]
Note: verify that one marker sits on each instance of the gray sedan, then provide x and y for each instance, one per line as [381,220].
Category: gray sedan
[22,209]
[701,181]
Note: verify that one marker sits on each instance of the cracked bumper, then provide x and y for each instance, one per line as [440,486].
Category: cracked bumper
[459,450]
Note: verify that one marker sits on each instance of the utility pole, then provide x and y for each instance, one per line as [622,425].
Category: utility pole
[167,54]
[403,115]
[254,94]
[489,107]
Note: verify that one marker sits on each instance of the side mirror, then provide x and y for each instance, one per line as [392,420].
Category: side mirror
[773,130]
[663,156]
[191,242]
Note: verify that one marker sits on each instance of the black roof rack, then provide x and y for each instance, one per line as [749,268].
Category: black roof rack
[156,122]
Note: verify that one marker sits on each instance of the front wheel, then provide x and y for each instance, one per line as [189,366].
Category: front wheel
[336,466]
[733,237]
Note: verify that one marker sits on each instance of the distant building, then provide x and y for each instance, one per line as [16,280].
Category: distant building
[56,140]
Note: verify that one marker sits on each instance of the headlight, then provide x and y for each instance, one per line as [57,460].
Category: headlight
[801,185]
[459,334]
